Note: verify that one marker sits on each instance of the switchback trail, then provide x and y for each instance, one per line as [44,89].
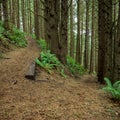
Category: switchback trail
[50,97]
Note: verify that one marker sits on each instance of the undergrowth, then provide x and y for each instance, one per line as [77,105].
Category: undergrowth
[2,30]
[49,62]
[74,67]
[113,89]
[42,44]
[15,36]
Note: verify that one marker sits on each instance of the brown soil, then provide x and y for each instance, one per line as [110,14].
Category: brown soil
[50,97]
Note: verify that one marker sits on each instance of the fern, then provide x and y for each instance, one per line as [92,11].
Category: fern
[108,82]
[42,44]
[16,37]
[48,61]
[114,89]
[74,67]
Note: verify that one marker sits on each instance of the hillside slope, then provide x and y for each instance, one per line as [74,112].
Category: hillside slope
[50,97]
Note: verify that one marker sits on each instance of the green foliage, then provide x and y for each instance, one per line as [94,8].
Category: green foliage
[33,36]
[1,55]
[1,29]
[74,67]
[63,73]
[17,37]
[42,44]
[48,61]
[114,89]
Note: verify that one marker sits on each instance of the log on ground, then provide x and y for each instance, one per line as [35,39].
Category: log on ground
[31,71]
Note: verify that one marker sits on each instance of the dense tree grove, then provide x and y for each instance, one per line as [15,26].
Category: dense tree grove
[86,30]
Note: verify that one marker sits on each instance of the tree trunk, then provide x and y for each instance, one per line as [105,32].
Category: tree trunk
[86,57]
[18,14]
[71,31]
[105,40]
[23,8]
[13,11]
[92,57]
[0,11]
[63,31]
[78,45]
[5,14]
[117,51]
[51,25]
[36,18]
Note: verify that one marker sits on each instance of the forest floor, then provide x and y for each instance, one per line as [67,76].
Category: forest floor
[50,97]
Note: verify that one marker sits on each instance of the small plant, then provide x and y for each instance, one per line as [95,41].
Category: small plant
[63,73]
[17,37]
[114,89]
[42,44]
[1,29]
[48,61]
[1,55]
[74,67]
[33,36]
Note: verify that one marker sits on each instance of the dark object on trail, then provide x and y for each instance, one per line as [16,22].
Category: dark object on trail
[6,58]
[13,82]
[31,71]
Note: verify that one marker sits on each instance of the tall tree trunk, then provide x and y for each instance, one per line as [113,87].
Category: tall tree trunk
[86,57]
[23,8]
[71,31]
[0,11]
[18,14]
[30,15]
[92,57]
[51,25]
[117,50]
[78,46]
[5,14]
[42,22]
[36,18]
[13,11]
[63,31]
[105,40]
[82,35]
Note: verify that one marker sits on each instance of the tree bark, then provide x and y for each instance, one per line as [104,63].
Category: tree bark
[36,18]
[0,11]
[71,31]
[5,14]
[105,40]
[117,51]
[78,46]
[92,57]
[86,56]
[63,31]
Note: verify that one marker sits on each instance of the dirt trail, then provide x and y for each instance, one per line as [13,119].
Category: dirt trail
[50,97]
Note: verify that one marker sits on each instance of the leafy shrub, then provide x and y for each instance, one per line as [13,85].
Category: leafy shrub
[74,67]
[42,44]
[114,89]
[17,37]
[48,61]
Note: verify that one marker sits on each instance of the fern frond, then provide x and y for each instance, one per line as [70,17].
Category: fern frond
[108,82]
[116,84]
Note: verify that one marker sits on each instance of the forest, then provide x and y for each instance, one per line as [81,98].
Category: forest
[59,59]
